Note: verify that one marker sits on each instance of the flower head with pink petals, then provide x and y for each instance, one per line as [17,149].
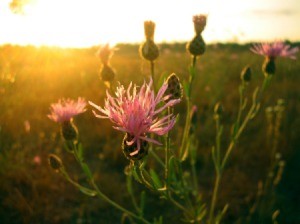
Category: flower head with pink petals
[275,49]
[136,112]
[65,110]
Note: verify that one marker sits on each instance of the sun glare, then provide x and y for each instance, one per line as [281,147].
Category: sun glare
[84,23]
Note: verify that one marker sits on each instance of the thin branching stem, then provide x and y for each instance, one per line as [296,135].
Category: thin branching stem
[103,196]
[182,152]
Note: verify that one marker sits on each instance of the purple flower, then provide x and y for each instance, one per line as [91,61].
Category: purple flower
[65,110]
[136,112]
[275,49]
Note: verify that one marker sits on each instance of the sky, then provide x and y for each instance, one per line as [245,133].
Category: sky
[85,23]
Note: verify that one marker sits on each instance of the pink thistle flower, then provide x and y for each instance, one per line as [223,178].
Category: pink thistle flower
[275,49]
[136,112]
[65,110]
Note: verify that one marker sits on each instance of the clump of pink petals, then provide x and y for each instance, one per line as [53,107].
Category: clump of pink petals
[275,49]
[66,109]
[136,112]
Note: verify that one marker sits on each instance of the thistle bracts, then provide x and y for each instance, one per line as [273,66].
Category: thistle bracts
[131,152]
[246,75]
[174,90]
[55,162]
[149,50]
[69,131]
[107,73]
[269,66]
[197,45]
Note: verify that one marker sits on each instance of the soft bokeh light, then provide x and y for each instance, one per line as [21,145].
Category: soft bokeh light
[83,23]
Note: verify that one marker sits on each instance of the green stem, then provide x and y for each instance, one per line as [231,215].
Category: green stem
[114,204]
[233,141]
[241,91]
[156,157]
[167,155]
[214,198]
[182,152]
[152,74]
[218,143]
[103,196]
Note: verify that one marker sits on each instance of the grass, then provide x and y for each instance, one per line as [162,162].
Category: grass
[33,78]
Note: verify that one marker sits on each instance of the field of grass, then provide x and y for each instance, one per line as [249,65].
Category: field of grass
[33,78]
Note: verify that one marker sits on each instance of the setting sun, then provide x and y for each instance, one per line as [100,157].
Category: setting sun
[81,23]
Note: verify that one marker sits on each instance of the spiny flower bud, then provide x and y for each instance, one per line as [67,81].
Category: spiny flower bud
[197,46]
[246,74]
[269,66]
[129,149]
[149,50]
[174,89]
[149,28]
[218,109]
[55,162]
[69,131]
[199,23]
[107,74]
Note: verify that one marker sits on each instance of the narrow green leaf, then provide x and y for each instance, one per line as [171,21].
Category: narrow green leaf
[142,202]
[80,151]
[129,183]
[86,170]
[155,179]
[136,175]
[87,191]
[186,88]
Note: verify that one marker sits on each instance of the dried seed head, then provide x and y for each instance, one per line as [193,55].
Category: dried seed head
[174,89]
[107,74]
[129,150]
[199,23]
[55,162]
[69,131]
[149,28]
[246,74]
[197,46]
[269,66]
[149,50]
[105,53]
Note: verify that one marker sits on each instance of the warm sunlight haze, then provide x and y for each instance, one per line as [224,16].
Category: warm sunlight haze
[84,23]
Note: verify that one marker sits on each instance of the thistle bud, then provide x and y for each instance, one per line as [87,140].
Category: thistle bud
[69,131]
[149,28]
[246,74]
[107,74]
[269,66]
[218,110]
[55,162]
[129,149]
[197,46]
[149,50]
[174,89]
[199,23]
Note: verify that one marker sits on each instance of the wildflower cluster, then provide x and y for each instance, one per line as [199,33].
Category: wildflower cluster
[146,117]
